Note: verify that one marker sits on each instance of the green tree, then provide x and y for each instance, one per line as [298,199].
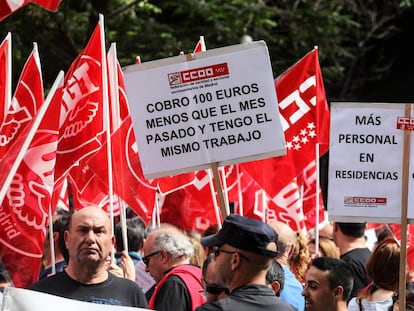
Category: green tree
[352,36]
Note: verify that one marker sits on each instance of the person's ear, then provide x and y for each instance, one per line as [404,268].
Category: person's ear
[164,255]
[55,236]
[66,236]
[291,250]
[338,292]
[276,287]
[235,261]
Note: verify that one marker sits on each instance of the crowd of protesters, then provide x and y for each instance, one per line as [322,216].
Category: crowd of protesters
[245,265]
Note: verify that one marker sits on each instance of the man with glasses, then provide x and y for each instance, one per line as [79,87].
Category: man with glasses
[244,249]
[167,254]
[212,290]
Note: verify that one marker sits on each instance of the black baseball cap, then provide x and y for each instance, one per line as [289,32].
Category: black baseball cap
[245,233]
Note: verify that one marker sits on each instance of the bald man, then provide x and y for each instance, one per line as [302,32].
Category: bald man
[89,243]
[292,290]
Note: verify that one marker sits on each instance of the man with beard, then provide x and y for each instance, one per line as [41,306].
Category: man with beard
[89,243]
[328,284]
[244,249]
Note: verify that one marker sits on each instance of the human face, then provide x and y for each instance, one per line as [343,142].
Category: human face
[317,292]
[213,291]
[222,263]
[153,260]
[89,239]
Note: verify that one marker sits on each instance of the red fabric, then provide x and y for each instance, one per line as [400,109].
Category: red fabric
[129,182]
[307,180]
[191,276]
[51,5]
[4,82]
[169,184]
[190,208]
[305,121]
[200,46]
[26,101]
[304,110]
[81,128]
[24,211]
[7,7]
[276,193]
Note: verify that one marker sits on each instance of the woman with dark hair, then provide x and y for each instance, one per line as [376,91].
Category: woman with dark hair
[378,294]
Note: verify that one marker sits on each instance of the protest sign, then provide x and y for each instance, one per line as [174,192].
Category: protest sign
[366,162]
[217,106]
[19,299]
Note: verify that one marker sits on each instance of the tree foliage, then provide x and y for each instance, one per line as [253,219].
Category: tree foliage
[353,36]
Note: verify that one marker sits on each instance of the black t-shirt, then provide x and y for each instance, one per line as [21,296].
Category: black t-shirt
[357,259]
[173,296]
[113,291]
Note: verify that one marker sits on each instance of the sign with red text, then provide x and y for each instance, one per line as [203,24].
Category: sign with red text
[216,106]
[365,162]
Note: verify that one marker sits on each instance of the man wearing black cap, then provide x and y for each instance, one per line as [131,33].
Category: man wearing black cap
[244,249]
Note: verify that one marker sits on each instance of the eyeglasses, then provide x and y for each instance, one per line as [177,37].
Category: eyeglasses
[147,258]
[215,289]
[218,250]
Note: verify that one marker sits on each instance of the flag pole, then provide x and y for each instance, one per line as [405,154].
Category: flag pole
[225,189]
[239,191]
[51,241]
[317,180]
[213,197]
[317,188]
[219,189]
[115,121]
[9,72]
[404,207]
[106,119]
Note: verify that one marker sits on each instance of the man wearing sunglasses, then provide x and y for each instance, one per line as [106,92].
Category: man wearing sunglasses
[167,254]
[212,290]
[244,249]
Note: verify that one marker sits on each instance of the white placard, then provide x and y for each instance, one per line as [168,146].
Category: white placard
[365,163]
[19,299]
[192,110]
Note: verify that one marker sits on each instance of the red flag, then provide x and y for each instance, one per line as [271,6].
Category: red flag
[190,208]
[7,7]
[307,180]
[24,210]
[200,46]
[305,120]
[81,128]
[304,110]
[51,5]
[60,196]
[5,77]
[128,182]
[276,177]
[169,184]
[26,101]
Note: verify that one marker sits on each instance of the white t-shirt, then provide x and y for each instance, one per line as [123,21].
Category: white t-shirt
[383,305]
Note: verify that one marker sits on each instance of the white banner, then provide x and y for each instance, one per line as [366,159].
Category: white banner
[365,163]
[19,299]
[192,110]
